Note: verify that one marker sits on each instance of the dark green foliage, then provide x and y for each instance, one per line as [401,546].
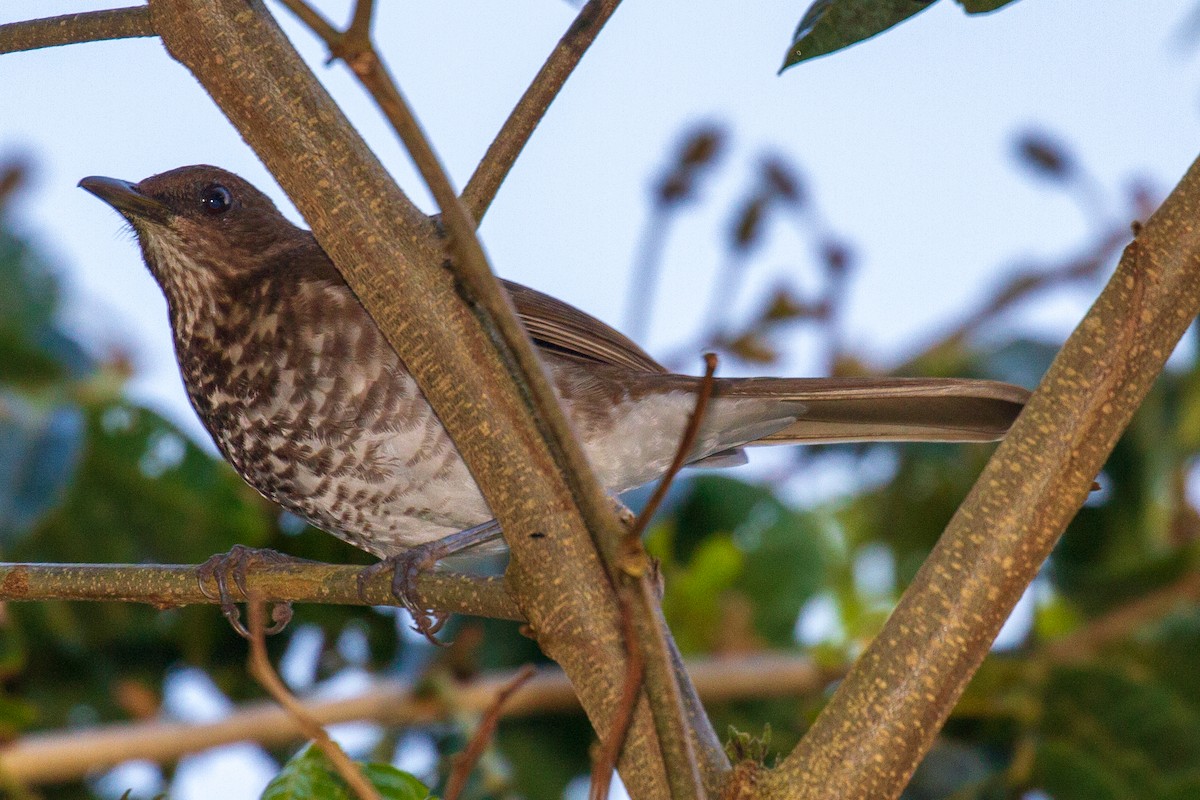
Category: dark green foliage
[830,25]
[309,776]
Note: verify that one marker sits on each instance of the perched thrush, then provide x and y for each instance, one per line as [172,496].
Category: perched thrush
[304,396]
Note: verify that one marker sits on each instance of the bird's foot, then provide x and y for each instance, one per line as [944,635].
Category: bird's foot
[406,567]
[233,566]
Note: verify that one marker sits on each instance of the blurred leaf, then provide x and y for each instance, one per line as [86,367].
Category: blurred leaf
[546,752]
[692,602]
[1109,734]
[830,25]
[1046,156]
[1169,652]
[310,776]
[982,6]
[747,227]
[947,770]
[783,181]
[1121,543]
[783,561]
[784,306]
[146,493]
[752,348]
[1070,774]
[39,453]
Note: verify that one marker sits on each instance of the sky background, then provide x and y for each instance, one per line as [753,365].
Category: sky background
[905,143]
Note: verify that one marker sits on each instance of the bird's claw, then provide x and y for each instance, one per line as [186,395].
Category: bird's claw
[223,567]
[405,569]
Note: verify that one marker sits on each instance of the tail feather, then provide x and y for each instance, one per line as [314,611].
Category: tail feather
[888,409]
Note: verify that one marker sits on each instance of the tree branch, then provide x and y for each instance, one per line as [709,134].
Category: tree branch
[518,128]
[89,26]
[171,585]
[885,715]
[65,755]
[487,389]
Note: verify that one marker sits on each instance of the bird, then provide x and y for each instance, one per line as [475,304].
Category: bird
[303,395]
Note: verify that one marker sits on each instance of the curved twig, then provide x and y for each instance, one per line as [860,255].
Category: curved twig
[502,153]
[88,26]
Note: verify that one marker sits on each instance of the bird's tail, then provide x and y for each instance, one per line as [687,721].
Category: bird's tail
[883,409]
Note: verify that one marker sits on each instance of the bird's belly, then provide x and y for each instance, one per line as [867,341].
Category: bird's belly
[383,480]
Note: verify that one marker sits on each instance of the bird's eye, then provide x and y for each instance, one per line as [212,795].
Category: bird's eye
[215,199]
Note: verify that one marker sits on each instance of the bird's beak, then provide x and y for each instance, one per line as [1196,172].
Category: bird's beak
[125,198]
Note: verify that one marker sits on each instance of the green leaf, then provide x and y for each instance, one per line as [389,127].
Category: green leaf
[694,594]
[983,6]
[309,776]
[830,25]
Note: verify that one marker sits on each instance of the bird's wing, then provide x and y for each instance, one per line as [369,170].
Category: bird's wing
[568,331]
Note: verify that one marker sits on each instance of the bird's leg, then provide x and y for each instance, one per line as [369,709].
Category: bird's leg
[406,566]
[234,565]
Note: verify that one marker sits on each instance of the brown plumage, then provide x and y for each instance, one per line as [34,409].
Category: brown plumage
[306,399]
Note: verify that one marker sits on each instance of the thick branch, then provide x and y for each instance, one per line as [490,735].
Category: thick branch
[170,585]
[887,712]
[89,26]
[392,258]
[60,756]
[510,141]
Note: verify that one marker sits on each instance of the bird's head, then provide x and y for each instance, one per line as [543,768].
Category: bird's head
[199,227]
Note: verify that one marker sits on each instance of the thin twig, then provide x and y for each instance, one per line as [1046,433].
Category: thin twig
[360,23]
[648,637]
[682,453]
[464,762]
[518,128]
[88,26]
[643,286]
[315,21]
[609,749]
[173,585]
[262,671]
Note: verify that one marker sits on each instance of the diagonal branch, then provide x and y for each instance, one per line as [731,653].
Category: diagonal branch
[518,128]
[88,26]
[885,715]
